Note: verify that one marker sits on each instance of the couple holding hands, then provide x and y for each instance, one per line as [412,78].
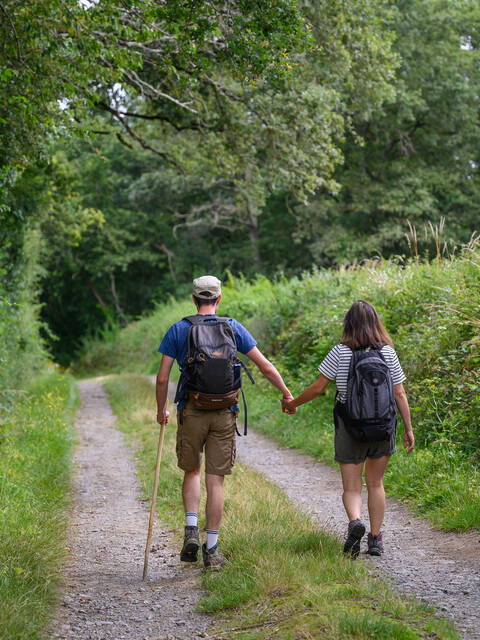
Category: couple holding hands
[205,428]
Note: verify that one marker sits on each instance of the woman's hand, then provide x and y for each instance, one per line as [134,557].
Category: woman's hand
[287,405]
[408,441]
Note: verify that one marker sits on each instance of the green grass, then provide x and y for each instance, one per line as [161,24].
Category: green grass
[288,581]
[35,456]
[431,311]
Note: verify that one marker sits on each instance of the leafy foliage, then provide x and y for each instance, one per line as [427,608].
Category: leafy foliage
[418,160]
[431,312]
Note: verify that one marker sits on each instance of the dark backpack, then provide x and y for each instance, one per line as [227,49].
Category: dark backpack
[369,413]
[212,372]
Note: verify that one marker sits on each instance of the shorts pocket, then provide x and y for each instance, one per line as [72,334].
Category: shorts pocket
[178,447]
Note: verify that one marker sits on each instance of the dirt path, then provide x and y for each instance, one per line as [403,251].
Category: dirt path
[440,568]
[104,596]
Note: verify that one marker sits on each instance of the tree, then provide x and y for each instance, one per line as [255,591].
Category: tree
[420,156]
[108,55]
[286,136]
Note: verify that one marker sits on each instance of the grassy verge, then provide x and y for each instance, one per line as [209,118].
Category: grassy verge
[35,454]
[284,582]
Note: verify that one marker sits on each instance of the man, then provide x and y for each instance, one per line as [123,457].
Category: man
[198,430]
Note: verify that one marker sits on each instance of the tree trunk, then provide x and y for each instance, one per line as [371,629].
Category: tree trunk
[170,258]
[95,293]
[118,308]
[252,223]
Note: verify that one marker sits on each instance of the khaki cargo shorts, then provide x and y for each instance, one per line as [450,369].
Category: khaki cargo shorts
[213,431]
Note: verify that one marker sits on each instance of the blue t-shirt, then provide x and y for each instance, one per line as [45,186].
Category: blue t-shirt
[174,343]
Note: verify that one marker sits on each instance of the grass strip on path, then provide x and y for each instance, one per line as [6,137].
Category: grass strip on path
[36,442]
[285,579]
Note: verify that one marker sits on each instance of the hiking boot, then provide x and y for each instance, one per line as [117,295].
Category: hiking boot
[375,545]
[356,529]
[212,558]
[191,545]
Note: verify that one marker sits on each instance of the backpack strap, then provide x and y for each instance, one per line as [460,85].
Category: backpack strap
[245,410]
[201,319]
[245,421]
[247,372]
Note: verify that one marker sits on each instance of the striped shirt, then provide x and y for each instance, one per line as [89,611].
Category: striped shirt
[336,365]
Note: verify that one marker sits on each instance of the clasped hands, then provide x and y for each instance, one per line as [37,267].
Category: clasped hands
[287,406]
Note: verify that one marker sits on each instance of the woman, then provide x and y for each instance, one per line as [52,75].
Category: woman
[362,328]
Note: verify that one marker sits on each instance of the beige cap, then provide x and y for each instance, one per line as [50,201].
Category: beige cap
[207,287]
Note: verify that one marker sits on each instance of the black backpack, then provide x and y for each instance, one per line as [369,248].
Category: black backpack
[213,371]
[369,413]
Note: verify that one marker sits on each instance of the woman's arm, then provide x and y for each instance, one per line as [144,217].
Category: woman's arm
[404,409]
[311,392]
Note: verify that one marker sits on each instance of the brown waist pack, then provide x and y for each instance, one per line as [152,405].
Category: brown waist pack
[213,401]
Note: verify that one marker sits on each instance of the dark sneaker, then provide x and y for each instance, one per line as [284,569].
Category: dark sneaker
[191,545]
[375,545]
[356,529]
[212,558]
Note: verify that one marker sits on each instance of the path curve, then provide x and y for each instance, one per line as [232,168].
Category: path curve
[104,597]
[439,567]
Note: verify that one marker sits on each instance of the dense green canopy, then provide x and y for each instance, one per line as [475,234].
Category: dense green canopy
[144,143]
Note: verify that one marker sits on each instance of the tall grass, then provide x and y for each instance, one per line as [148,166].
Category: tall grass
[35,447]
[22,354]
[284,578]
[431,311]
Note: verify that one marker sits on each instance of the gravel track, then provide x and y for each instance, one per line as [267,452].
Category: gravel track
[104,597]
[438,567]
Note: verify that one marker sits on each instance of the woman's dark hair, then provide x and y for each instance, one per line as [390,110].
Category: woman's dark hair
[363,328]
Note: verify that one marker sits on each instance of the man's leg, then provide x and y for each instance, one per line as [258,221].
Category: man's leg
[219,459]
[214,485]
[191,491]
[191,502]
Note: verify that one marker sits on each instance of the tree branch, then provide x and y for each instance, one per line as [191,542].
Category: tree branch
[118,115]
[136,80]
[17,41]
[161,118]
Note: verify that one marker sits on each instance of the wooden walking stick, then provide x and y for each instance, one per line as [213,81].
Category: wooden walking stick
[154,500]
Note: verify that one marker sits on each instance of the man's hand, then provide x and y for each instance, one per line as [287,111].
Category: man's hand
[162,416]
[287,406]
[408,441]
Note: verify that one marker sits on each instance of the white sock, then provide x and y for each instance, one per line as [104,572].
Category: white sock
[212,538]
[191,519]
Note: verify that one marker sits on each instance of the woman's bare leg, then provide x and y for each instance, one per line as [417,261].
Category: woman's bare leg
[374,472]
[352,489]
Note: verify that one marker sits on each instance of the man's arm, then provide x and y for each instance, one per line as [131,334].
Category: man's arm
[162,389]
[269,371]
[311,392]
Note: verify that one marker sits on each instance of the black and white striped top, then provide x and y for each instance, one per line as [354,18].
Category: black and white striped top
[336,364]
